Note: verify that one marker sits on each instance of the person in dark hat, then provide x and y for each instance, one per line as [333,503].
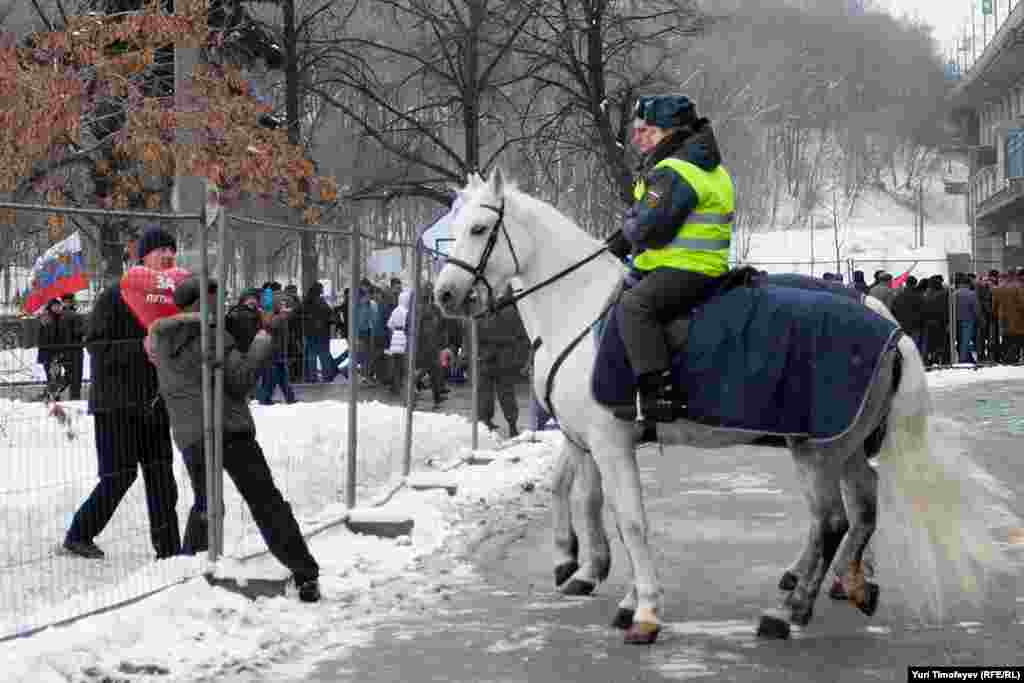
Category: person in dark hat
[678,233]
[51,345]
[131,425]
[244,319]
[174,345]
[74,324]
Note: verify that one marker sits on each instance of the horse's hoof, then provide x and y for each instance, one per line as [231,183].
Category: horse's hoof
[772,626]
[564,571]
[643,633]
[871,594]
[838,590]
[578,587]
[788,581]
[623,619]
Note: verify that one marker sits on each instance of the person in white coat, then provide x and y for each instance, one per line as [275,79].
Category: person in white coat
[399,341]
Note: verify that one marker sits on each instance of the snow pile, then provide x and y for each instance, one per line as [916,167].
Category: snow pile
[194,631]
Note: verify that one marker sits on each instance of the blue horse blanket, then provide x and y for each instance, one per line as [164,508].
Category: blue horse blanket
[789,356]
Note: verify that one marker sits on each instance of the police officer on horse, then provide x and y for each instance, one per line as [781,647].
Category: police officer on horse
[677,233]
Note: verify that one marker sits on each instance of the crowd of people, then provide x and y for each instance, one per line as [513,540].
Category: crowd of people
[975,320]
[146,389]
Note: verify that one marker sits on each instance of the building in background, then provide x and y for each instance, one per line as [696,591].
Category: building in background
[987,104]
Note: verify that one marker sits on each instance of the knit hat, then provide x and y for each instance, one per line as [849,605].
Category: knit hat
[666,111]
[187,293]
[155,238]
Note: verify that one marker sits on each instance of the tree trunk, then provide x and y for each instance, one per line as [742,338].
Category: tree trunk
[293,112]
[113,252]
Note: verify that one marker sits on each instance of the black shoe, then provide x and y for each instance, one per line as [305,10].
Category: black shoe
[309,589]
[86,549]
[513,431]
[491,427]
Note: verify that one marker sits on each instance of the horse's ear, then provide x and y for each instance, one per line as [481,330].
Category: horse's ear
[497,182]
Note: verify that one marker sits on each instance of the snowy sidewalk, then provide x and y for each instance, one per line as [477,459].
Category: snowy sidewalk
[197,632]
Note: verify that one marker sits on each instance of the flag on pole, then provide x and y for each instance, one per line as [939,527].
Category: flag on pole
[900,279]
[60,270]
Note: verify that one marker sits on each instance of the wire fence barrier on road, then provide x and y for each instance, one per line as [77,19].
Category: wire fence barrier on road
[326,454]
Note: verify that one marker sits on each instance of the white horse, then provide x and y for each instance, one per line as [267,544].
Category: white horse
[503,234]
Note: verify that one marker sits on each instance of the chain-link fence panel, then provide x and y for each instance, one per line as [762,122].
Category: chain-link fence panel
[90,482]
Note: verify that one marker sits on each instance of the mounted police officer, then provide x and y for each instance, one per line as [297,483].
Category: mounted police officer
[678,232]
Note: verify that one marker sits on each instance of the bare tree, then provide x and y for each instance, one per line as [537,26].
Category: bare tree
[590,59]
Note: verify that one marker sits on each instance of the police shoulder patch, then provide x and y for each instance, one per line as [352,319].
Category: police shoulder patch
[658,189]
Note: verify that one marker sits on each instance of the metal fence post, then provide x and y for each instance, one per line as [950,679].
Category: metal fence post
[353,378]
[214,513]
[474,377]
[410,360]
[953,359]
[215,492]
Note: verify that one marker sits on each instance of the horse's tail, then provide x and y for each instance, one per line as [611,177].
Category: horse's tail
[935,517]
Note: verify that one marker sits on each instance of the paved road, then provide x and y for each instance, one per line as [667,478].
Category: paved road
[725,524]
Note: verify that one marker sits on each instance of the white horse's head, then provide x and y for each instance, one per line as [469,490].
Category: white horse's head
[488,252]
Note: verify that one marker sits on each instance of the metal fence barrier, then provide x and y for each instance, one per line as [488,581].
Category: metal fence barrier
[48,466]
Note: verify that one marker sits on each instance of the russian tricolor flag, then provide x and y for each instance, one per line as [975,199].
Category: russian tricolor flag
[59,271]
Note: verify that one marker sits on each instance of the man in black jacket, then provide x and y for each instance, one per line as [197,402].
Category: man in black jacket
[907,308]
[504,351]
[75,325]
[131,424]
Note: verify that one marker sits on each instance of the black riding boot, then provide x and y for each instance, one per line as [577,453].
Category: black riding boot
[656,393]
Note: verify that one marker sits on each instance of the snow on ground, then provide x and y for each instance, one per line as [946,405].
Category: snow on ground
[965,374]
[195,632]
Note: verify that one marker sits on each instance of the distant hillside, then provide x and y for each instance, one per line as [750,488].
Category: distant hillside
[879,235]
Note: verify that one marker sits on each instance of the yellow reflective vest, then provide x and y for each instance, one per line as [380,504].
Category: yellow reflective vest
[702,242]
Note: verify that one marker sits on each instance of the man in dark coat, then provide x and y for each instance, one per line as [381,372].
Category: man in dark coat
[428,342]
[278,323]
[75,323]
[175,347]
[936,322]
[316,317]
[504,351]
[53,347]
[906,308]
[131,425]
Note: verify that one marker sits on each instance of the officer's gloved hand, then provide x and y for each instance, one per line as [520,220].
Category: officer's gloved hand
[618,244]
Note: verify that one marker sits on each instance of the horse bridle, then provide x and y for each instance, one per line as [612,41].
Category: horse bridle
[478,276]
[478,271]
[492,239]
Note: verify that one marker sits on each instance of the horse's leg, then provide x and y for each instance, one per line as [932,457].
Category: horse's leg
[821,487]
[801,567]
[597,564]
[617,460]
[567,545]
[860,494]
[819,476]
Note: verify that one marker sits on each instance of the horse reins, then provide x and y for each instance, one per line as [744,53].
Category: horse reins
[492,309]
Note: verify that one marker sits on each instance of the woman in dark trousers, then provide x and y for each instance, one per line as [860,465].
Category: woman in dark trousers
[131,424]
[174,346]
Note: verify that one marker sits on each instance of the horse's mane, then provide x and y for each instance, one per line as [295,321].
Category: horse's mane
[545,213]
